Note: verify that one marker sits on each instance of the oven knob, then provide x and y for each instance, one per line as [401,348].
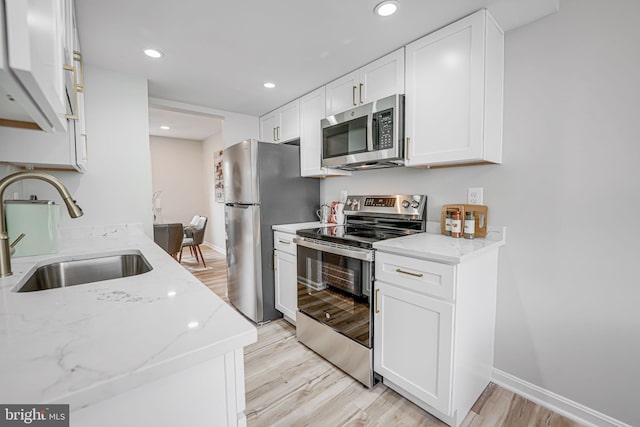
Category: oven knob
[327,315]
[415,204]
[405,204]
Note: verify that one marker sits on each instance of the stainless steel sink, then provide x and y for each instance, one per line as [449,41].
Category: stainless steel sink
[80,271]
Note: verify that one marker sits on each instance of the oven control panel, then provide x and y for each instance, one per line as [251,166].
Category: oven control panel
[392,205]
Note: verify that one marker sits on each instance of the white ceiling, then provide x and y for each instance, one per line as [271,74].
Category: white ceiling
[219,54]
[182,125]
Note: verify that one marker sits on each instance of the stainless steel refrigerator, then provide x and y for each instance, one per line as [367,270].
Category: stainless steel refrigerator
[262,187]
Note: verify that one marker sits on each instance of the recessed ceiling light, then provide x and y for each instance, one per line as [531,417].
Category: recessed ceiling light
[152,53]
[193,325]
[269,85]
[165,127]
[386,8]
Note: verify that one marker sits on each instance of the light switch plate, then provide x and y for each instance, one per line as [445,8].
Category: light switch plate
[475,196]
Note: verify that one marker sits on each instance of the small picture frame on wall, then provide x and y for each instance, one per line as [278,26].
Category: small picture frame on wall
[218,178]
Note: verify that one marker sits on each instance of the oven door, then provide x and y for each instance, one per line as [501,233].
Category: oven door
[334,287]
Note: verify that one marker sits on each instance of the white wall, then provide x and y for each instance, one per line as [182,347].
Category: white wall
[117,186]
[568,192]
[178,171]
[214,234]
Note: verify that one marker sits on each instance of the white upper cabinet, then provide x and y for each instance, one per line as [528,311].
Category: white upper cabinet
[453,102]
[22,142]
[268,127]
[281,125]
[311,112]
[289,127]
[34,76]
[343,93]
[376,80]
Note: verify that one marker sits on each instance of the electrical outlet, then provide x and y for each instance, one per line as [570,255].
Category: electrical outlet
[475,196]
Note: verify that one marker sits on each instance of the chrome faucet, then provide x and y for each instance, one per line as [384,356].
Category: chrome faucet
[72,207]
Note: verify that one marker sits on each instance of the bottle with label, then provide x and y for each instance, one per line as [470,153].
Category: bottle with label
[469,225]
[447,224]
[456,224]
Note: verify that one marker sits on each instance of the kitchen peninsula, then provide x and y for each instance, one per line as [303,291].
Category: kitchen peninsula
[157,348]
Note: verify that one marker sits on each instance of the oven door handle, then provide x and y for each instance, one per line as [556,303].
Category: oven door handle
[357,253]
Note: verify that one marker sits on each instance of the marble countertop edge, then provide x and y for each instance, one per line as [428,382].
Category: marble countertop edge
[98,392]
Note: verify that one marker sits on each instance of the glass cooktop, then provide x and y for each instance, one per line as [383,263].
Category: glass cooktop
[354,235]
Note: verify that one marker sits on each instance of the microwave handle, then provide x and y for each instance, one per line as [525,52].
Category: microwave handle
[370,119]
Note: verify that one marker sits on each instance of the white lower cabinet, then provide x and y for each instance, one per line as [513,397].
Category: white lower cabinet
[434,330]
[285,275]
[286,285]
[418,359]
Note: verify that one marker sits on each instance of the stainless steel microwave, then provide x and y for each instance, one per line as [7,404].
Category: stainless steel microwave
[369,136]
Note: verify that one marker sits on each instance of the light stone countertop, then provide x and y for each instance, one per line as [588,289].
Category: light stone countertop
[433,246]
[85,343]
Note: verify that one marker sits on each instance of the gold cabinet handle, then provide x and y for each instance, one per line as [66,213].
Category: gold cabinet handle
[274,134]
[361,87]
[284,242]
[353,95]
[409,273]
[377,298]
[75,91]
[278,132]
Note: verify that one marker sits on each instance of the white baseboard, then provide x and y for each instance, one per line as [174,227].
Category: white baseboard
[214,247]
[559,404]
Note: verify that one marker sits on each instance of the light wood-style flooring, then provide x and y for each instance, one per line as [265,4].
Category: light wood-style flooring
[289,385]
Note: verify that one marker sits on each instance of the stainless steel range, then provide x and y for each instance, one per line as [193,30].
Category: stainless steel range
[335,267]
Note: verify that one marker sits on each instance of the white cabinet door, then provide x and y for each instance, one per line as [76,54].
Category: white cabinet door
[378,79]
[268,127]
[312,111]
[281,125]
[35,35]
[381,78]
[413,343]
[289,127]
[454,94]
[286,286]
[342,94]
